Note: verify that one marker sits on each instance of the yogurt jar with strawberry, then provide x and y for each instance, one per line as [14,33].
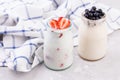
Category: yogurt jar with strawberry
[92,34]
[58,44]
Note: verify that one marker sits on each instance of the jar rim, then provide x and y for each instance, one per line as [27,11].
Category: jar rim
[94,21]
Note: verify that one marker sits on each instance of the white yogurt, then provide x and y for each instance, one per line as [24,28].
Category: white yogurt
[58,48]
[92,38]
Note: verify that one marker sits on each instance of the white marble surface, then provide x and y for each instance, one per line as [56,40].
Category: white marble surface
[104,69]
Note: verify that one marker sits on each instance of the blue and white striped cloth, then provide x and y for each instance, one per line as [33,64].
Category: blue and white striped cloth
[22,23]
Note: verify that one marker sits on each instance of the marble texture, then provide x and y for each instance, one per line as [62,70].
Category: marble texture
[104,69]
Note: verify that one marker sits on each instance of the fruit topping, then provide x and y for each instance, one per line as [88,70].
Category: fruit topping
[94,13]
[61,23]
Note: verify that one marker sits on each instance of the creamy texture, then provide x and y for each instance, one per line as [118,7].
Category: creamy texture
[92,40]
[58,49]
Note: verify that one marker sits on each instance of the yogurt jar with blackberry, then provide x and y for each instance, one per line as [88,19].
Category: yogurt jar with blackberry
[92,34]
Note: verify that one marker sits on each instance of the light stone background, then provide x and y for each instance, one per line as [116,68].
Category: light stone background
[107,68]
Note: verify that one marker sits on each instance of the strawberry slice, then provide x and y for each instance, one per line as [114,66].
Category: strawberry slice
[58,26]
[66,24]
[59,19]
[54,23]
[62,22]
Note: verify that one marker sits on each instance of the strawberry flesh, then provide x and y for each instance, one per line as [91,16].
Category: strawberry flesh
[61,23]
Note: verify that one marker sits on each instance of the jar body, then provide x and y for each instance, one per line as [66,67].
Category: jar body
[58,49]
[92,39]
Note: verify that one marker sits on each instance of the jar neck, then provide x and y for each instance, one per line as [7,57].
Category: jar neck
[93,23]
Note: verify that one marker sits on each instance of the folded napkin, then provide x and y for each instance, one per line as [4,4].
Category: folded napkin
[22,23]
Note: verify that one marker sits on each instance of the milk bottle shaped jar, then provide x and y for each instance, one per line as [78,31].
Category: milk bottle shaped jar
[92,34]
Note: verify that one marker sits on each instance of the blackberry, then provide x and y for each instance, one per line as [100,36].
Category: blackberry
[93,18]
[86,15]
[94,8]
[86,10]
[96,18]
[90,14]
[94,13]
[102,14]
[99,10]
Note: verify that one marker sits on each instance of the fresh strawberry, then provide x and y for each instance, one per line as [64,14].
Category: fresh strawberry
[56,24]
[52,24]
[62,22]
[66,24]
[59,19]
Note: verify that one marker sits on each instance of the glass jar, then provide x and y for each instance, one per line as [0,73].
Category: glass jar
[92,38]
[58,48]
